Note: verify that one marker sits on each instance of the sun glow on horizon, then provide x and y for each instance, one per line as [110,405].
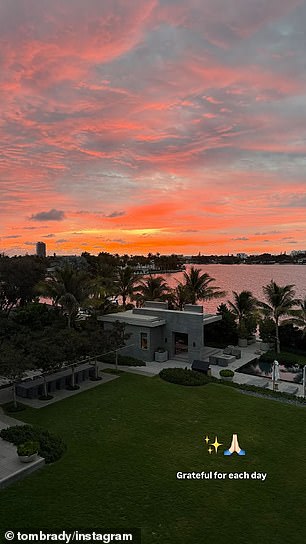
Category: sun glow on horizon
[153,127]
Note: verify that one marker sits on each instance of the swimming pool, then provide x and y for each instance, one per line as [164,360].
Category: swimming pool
[288,373]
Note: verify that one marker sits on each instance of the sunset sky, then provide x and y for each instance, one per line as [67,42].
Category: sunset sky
[136,126]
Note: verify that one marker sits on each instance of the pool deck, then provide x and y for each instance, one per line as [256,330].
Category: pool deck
[248,354]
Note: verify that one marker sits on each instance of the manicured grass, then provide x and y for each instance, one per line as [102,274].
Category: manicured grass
[128,438]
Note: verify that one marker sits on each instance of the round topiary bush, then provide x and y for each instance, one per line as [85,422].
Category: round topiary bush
[226,373]
[28,448]
[183,376]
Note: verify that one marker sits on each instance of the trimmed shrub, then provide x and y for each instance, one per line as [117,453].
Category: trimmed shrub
[51,447]
[124,360]
[191,377]
[28,448]
[18,434]
[226,373]
[183,376]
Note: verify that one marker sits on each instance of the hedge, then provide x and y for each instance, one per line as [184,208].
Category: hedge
[124,360]
[51,447]
[226,373]
[182,376]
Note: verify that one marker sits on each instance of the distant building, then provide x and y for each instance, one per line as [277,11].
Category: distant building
[296,252]
[41,249]
[242,255]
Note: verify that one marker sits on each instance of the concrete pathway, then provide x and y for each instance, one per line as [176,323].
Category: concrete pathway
[64,393]
[11,468]
[248,354]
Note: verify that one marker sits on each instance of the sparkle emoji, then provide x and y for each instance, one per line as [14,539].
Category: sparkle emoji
[216,444]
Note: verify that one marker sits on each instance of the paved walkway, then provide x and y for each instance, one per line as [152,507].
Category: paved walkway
[248,354]
[6,394]
[11,469]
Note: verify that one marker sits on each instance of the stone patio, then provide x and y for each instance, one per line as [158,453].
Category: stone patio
[11,469]
[247,354]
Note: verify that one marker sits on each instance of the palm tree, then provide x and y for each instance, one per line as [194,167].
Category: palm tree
[280,301]
[243,307]
[66,280]
[199,286]
[298,317]
[125,283]
[179,297]
[69,305]
[153,288]
[106,275]
[100,301]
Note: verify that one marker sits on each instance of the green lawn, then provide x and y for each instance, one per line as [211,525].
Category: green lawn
[128,438]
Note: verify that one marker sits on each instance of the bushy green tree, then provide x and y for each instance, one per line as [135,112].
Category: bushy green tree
[13,365]
[267,329]
[222,332]
[19,277]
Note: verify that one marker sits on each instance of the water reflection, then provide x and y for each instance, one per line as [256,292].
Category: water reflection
[236,277]
[288,373]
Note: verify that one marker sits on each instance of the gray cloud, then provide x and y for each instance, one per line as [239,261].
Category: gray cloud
[189,230]
[268,232]
[49,236]
[115,214]
[208,90]
[243,238]
[51,215]
[116,240]
[61,241]
[295,201]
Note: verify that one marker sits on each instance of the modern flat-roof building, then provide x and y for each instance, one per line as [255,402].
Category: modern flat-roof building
[41,249]
[180,333]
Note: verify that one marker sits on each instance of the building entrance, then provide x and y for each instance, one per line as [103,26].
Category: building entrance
[180,343]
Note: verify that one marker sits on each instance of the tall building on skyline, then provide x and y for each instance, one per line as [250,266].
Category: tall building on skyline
[41,249]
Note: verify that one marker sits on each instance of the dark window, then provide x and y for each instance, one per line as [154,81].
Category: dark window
[144,340]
